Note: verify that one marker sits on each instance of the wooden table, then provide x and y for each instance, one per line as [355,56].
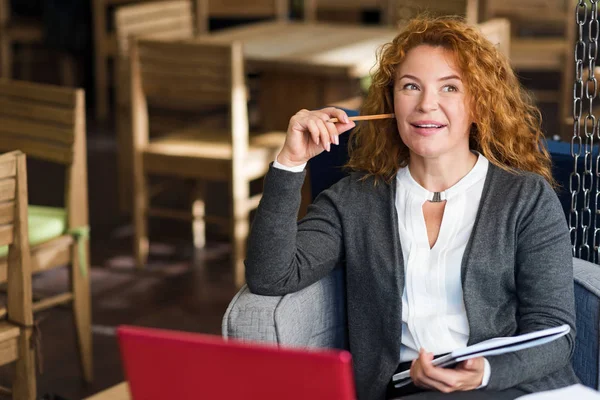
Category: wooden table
[117,392]
[305,65]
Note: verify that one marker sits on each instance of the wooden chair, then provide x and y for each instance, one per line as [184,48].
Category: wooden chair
[27,32]
[48,123]
[548,45]
[196,75]
[105,41]
[344,11]
[17,329]
[106,48]
[400,11]
[161,19]
[278,9]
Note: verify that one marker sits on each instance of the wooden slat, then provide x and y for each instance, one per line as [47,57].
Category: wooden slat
[140,12]
[37,149]
[40,112]
[7,212]
[8,351]
[7,189]
[187,167]
[38,92]
[49,255]
[6,234]
[167,53]
[8,168]
[179,98]
[173,83]
[53,301]
[8,331]
[243,8]
[216,76]
[158,22]
[166,29]
[21,127]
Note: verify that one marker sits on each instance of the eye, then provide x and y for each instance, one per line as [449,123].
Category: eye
[410,86]
[450,88]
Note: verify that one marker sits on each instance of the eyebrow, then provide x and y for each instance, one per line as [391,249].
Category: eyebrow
[445,78]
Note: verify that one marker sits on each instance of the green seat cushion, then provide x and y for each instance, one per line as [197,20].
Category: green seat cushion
[45,223]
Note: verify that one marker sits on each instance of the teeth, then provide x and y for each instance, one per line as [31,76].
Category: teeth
[429,126]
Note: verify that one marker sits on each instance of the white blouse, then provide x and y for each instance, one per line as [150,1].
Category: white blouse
[433,311]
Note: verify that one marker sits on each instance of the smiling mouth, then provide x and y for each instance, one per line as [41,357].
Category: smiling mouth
[428,126]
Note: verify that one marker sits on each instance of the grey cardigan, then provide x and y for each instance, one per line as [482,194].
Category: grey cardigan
[517,273]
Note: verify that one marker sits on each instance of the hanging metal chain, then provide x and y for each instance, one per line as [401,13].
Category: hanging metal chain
[581,14]
[581,222]
[591,93]
[590,127]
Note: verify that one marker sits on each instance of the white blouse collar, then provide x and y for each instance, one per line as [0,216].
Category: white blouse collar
[478,172]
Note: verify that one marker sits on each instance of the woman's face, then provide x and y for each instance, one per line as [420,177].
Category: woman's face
[431,104]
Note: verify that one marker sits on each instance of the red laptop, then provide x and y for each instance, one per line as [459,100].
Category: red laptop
[162,364]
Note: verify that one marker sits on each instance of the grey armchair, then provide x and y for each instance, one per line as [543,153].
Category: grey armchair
[315,317]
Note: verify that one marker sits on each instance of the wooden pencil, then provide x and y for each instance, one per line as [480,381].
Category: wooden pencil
[365,117]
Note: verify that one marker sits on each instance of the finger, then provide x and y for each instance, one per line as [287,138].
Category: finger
[315,134]
[325,139]
[344,124]
[333,132]
[436,385]
[420,379]
[340,115]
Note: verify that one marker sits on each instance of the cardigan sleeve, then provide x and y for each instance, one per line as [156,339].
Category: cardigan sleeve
[544,286]
[285,255]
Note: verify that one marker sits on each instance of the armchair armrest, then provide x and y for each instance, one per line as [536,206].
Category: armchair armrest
[586,357]
[312,317]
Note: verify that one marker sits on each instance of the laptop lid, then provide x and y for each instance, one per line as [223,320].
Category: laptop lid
[164,364]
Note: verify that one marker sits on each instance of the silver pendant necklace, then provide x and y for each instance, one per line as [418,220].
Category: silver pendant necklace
[437,197]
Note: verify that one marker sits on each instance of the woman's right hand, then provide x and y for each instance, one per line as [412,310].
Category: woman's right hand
[309,134]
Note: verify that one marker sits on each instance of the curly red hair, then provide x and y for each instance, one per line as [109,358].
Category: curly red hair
[508,129]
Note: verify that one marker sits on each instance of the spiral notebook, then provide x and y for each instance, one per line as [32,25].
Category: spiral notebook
[494,346]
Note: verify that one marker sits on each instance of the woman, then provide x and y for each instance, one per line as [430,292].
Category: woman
[448,228]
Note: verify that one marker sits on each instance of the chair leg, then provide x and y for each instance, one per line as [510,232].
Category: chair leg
[140,220]
[198,214]
[82,312]
[101,81]
[26,63]
[24,385]
[124,158]
[240,228]
[5,58]
[68,70]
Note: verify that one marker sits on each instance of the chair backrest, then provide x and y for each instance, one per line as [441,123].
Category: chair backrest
[497,31]
[550,13]
[399,12]
[342,10]
[159,20]
[14,233]
[48,123]
[278,9]
[185,75]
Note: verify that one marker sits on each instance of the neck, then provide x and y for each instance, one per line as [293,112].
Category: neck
[439,174]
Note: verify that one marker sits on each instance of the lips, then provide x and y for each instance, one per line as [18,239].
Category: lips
[427,124]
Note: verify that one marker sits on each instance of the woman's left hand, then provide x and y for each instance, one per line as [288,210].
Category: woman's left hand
[467,375]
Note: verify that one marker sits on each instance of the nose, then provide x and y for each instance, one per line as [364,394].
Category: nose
[428,101]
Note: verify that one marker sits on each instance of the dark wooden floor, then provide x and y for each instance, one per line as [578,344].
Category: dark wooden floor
[178,290]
